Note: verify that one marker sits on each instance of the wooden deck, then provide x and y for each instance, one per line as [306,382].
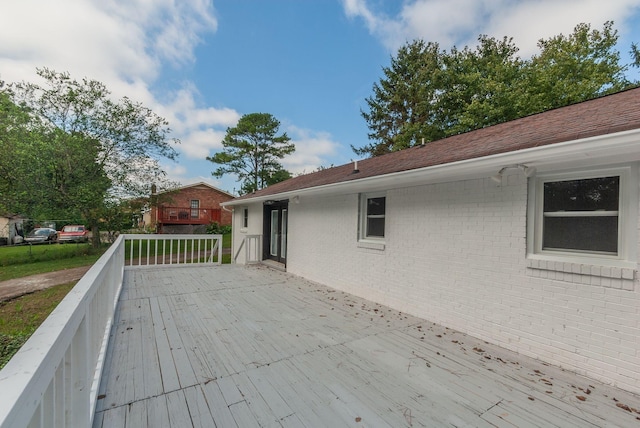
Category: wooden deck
[242,346]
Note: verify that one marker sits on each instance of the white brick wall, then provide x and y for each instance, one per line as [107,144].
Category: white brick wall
[456,255]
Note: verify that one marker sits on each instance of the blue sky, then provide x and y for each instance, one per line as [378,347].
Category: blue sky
[203,64]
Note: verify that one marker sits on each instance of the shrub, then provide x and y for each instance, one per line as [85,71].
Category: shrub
[215,228]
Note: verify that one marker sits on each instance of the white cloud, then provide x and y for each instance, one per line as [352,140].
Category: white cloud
[200,129]
[381,26]
[180,174]
[175,170]
[313,148]
[199,144]
[459,22]
[184,110]
[75,36]
[171,29]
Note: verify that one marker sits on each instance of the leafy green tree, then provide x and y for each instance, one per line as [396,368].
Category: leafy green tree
[14,133]
[45,172]
[635,55]
[64,180]
[277,176]
[118,216]
[428,93]
[87,148]
[252,150]
[575,68]
[404,104]
[481,87]
[131,136]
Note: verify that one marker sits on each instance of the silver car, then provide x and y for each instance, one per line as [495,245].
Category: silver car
[41,235]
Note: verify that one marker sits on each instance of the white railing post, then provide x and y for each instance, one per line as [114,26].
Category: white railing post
[247,251]
[254,249]
[78,378]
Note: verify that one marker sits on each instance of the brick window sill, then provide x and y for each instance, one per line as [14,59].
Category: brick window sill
[583,273]
[371,245]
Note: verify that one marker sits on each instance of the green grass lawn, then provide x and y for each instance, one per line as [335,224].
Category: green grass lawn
[20,317]
[25,260]
[19,254]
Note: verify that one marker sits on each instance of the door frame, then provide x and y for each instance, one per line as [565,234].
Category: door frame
[280,235]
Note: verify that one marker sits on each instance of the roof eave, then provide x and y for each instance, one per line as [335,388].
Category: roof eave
[200,183]
[599,150]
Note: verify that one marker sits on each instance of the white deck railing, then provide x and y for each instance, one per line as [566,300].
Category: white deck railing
[152,250]
[53,380]
[253,249]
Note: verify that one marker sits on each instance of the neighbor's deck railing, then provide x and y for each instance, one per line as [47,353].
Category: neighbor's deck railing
[186,215]
[54,378]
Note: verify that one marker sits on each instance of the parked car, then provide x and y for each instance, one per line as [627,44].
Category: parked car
[41,235]
[73,233]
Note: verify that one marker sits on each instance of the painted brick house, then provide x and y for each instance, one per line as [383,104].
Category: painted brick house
[188,209]
[523,234]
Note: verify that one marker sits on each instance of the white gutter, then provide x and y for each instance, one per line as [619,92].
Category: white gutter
[600,150]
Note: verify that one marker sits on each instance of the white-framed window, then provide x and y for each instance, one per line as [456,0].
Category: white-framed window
[372,216]
[588,214]
[195,208]
[245,217]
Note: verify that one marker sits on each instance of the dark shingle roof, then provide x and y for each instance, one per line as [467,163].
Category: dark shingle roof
[605,115]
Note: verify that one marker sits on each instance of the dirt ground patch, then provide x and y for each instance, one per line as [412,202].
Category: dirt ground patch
[17,287]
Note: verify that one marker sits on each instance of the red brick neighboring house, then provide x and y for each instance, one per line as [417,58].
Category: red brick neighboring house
[188,209]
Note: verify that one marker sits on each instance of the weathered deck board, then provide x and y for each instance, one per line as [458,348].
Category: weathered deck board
[218,406]
[247,346]
[157,412]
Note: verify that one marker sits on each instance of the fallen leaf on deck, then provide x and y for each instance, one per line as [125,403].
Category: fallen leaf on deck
[624,407]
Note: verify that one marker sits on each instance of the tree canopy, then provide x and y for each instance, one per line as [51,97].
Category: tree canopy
[72,148]
[430,93]
[13,135]
[252,151]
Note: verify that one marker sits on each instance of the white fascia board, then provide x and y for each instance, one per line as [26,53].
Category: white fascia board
[600,150]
